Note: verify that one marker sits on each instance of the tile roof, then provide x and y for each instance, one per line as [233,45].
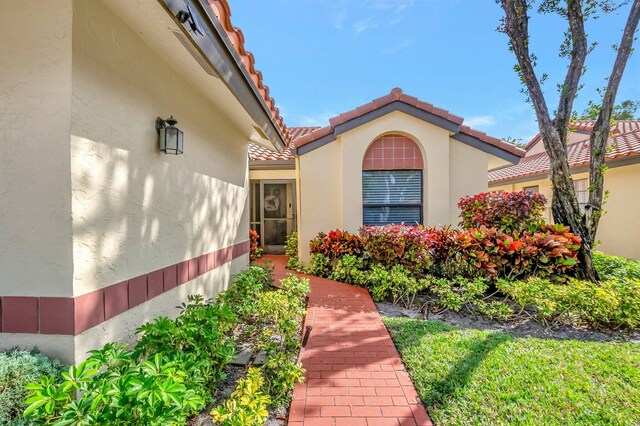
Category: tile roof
[223,12]
[398,95]
[260,153]
[624,142]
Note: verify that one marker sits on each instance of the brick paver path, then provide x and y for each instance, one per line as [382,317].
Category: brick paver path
[354,373]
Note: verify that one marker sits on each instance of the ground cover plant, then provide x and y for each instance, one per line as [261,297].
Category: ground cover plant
[17,369]
[479,377]
[172,371]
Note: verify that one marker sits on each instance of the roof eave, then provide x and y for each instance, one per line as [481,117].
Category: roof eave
[474,142]
[217,49]
[397,105]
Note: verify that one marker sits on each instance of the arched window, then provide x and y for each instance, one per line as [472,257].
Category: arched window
[392,182]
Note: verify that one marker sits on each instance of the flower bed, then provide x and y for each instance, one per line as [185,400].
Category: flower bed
[172,372]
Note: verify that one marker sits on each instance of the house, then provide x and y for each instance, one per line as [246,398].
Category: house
[619,228]
[395,159]
[100,231]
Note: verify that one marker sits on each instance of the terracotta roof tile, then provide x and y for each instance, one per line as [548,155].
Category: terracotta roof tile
[398,95]
[493,141]
[395,95]
[223,12]
[260,153]
[624,142]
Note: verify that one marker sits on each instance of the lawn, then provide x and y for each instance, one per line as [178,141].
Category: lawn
[473,377]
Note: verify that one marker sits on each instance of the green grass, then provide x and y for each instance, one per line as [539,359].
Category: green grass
[472,377]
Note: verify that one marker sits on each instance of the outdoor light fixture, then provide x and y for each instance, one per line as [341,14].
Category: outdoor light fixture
[169,137]
[187,16]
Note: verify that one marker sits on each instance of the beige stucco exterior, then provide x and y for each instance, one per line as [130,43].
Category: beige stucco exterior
[619,228]
[330,177]
[87,199]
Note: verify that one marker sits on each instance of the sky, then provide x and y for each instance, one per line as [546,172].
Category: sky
[324,57]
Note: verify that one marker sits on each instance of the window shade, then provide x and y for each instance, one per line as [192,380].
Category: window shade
[392,196]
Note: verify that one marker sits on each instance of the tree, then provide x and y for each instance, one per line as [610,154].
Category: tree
[625,110]
[515,24]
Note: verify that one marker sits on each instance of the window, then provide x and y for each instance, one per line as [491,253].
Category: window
[581,186]
[532,189]
[392,197]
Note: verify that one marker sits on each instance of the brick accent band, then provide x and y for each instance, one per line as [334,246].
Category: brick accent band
[73,315]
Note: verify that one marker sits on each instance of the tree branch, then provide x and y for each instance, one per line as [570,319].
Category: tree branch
[602,127]
[578,40]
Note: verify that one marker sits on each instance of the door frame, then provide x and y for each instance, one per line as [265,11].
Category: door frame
[294,196]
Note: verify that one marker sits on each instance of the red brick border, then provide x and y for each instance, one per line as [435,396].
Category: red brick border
[74,315]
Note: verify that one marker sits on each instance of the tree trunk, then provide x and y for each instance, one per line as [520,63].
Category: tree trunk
[565,207]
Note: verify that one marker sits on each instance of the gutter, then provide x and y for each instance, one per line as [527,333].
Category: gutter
[217,50]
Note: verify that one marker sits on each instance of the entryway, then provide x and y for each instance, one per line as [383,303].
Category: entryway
[273,212]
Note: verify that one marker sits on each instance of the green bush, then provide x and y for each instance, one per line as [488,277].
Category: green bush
[114,387]
[243,292]
[395,283]
[247,405]
[17,369]
[318,265]
[197,340]
[615,267]
[348,270]
[613,303]
[291,250]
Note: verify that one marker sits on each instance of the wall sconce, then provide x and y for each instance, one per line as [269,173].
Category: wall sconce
[170,137]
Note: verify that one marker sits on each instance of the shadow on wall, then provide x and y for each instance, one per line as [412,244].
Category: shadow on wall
[130,218]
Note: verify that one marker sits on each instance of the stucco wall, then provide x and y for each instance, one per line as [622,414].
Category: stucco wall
[135,209]
[320,195]
[331,176]
[620,227]
[35,114]
[70,349]
[280,174]
[467,165]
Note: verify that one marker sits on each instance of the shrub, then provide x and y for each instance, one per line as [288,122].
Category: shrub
[114,387]
[410,246]
[242,294]
[255,252]
[336,244]
[615,267]
[247,404]
[318,265]
[17,369]
[349,270]
[197,338]
[291,250]
[395,283]
[613,303]
[456,294]
[507,211]
[551,251]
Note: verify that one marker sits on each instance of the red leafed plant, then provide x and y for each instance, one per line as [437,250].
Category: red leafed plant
[389,245]
[254,251]
[551,251]
[336,244]
[508,211]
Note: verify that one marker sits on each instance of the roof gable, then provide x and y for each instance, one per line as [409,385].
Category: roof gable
[398,101]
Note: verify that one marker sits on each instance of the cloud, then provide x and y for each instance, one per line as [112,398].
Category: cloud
[386,5]
[363,25]
[404,44]
[480,121]
[339,18]
[310,120]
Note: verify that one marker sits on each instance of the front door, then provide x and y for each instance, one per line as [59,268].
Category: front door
[274,211]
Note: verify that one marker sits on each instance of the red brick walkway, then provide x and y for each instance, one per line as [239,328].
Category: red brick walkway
[354,373]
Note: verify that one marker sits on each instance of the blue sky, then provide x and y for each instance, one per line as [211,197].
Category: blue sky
[323,57]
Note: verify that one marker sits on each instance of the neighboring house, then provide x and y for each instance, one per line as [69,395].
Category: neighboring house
[99,230]
[394,160]
[619,228]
